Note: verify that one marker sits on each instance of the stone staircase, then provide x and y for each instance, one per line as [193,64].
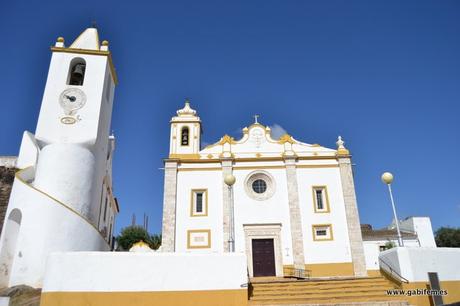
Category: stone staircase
[336,291]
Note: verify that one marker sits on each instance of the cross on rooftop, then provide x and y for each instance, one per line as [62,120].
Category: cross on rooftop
[255,118]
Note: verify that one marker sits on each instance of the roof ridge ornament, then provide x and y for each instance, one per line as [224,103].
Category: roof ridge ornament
[227,139]
[186,110]
[341,150]
[286,138]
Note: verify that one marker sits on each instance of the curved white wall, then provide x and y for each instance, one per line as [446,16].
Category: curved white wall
[46,226]
[66,171]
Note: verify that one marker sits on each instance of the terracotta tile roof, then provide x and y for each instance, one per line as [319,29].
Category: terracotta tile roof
[383,234]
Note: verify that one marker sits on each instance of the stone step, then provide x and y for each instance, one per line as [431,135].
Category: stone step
[329,291]
[309,282]
[324,300]
[320,295]
[382,303]
[324,286]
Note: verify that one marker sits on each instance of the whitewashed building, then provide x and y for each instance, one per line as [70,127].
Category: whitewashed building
[293,204]
[62,197]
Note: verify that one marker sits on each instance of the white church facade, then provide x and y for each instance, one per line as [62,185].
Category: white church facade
[292,205]
[256,206]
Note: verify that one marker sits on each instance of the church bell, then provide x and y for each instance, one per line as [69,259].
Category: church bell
[77,74]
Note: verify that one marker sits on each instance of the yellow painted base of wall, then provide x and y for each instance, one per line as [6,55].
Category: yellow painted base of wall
[329,269]
[163,298]
[374,273]
[452,287]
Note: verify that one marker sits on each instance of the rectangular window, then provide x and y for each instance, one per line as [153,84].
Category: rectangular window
[199,203]
[320,199]
[322,232]
[199,239]
[105,209]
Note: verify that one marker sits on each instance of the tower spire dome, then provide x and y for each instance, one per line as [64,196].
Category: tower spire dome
[186,110]
[88,40]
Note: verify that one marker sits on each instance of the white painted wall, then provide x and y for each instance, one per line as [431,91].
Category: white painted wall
[46,226]
[28,152]
[127,271]
[49,128]
[337,250]
[186,181]
[371,254]
[415,263]
[372,250]
[421,226]
[66,171]
[272,210]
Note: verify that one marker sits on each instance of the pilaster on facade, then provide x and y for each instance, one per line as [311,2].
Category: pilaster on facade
[294,212]
[351,211]
[168,234]
[227,168]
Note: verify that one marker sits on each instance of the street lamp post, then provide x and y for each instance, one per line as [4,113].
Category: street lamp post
[229,180]
[387,178]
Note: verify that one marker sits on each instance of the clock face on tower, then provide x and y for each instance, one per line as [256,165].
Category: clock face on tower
[71,100]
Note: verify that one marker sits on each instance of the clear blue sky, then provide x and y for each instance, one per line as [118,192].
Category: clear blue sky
[383,74]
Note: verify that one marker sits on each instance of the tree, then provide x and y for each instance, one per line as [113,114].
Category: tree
[389,245]
[132,234]
[448,237]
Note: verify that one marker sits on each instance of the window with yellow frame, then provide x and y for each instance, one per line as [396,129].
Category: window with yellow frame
[320,199]
[199,203]
[322,232]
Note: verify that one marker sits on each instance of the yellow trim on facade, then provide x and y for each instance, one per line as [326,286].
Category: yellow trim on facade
[318,166]
[343,153]
[200,169]
[227,139]
[315,237]
[253,167]
[286,138]
[182,156]
[206,231]
[323,270]
[91,52]
[326,196]
[257,167]
[193,212]
[196,158]
[231,297]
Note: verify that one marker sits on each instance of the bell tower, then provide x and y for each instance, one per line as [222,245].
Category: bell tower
[60,198]
[185,139]
[79,91]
